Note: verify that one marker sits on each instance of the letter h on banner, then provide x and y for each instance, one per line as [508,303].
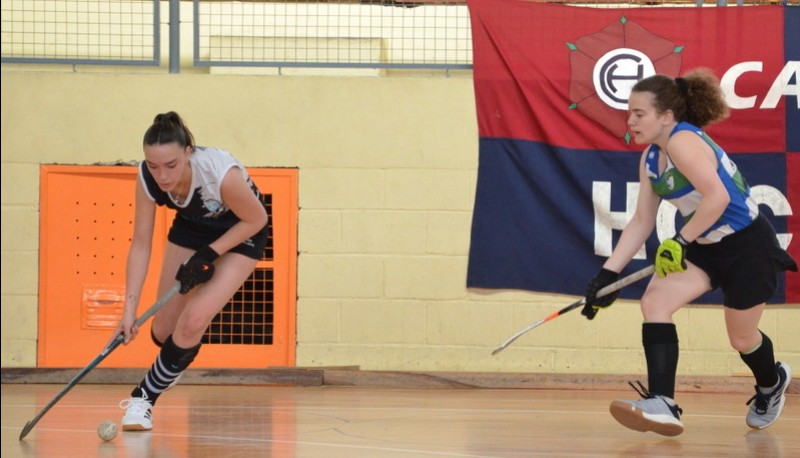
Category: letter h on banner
[606,221]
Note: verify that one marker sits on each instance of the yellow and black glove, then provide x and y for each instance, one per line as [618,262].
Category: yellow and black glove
[671,256]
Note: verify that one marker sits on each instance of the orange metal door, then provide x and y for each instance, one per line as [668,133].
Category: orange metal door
[86,222]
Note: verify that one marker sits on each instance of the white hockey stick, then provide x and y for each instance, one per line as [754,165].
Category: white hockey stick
[616,286]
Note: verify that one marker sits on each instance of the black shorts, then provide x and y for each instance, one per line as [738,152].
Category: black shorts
[194,237]
[745,264]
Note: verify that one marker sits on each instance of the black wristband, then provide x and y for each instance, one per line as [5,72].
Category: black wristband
[679,238]
[207,253]
[607,275]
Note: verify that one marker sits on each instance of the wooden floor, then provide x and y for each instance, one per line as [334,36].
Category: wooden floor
[353,422]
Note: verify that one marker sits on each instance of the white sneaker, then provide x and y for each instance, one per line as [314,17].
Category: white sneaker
[138,414]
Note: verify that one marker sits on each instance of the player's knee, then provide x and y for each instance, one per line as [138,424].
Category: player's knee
[158,343]
[745,342]
[658,307]
[651,309]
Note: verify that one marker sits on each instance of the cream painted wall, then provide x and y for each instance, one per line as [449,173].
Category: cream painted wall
[387,178]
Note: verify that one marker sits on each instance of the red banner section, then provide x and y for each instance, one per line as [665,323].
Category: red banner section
[551,87]
[561,74]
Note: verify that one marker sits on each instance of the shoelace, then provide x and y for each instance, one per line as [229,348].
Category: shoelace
[645,394]
[762,401]
[641,390]
[137,406]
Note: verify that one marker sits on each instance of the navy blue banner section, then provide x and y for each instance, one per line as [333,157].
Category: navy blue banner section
[533,226]
[543,244]
[791,30]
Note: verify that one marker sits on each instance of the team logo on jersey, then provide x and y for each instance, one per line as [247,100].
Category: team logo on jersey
[605,65]
[212,205]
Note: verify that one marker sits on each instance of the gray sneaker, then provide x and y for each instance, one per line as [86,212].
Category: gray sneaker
[653,412]
[766,408]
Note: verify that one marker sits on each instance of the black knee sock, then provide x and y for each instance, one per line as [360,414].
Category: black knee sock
[762,362]
[171,361]
[660,342]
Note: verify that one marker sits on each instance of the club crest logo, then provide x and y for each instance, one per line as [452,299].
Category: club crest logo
[605,65]
[212,205]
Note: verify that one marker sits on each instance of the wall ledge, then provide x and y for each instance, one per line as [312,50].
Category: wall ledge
[352,376]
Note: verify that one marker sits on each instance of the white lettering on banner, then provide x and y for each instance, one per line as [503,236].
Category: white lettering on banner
[782,86]
[767,195]
[606,221]
[618,70]
[728,83]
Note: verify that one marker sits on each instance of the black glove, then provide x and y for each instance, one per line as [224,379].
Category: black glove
[198,269]
[603,278]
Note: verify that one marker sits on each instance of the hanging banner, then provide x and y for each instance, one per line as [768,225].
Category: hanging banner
[558,171]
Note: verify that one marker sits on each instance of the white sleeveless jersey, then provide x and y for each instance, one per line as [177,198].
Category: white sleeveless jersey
[203,205]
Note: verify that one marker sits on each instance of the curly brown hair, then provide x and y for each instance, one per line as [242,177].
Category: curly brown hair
[696,97]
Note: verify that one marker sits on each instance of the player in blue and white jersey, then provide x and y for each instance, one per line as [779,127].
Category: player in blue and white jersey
[724,242]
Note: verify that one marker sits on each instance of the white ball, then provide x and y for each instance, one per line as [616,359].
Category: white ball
[107,430]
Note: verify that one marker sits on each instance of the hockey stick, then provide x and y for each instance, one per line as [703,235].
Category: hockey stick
[616,286]
[106,351]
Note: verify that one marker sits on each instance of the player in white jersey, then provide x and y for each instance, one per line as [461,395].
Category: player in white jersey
[723,243]
[218,234]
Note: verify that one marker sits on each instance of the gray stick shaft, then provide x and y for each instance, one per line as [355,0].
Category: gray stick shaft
[623,282]
[98,359]
[616,286]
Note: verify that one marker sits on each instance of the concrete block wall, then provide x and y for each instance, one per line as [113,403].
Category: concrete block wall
[387,171]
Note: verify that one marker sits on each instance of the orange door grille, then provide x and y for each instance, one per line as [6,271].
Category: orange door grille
[86,221]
